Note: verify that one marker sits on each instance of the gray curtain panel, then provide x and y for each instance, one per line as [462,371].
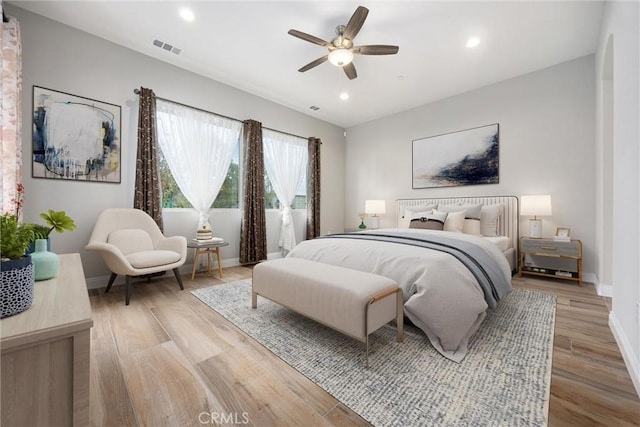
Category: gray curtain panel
[147,195]
[253,229]
[313,189]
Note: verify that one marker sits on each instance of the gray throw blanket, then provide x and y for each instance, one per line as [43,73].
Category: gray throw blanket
[483,267]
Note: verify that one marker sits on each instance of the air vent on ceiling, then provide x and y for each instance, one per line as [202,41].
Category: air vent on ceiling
[314,108]
[167,46]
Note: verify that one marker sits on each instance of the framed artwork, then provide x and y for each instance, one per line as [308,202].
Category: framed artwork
[563,232]
[467,157]
[75,138]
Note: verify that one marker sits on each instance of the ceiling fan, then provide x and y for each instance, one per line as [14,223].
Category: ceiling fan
[341,48]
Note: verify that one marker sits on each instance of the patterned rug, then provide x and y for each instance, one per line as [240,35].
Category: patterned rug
[503,381]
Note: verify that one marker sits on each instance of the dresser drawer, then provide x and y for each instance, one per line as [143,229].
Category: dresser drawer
[551,248]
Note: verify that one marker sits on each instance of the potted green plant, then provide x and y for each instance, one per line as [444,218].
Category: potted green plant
[46,263]
[58,220]
[17,272]
[55,220]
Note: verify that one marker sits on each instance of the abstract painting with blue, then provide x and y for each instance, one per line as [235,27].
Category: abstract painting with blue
[468,157]
[75,138]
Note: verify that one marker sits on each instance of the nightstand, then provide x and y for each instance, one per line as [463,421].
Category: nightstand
[551,258]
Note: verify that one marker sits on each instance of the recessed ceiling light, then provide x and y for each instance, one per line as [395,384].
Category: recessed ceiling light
[344,96]
[473,41]
[187,14]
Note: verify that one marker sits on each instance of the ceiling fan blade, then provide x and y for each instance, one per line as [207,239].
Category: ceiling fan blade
[355,23]
[350,71]
[315,63]
[308,37]
[375,49]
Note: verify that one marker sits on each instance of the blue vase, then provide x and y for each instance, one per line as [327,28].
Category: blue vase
[32,246]
[46,264]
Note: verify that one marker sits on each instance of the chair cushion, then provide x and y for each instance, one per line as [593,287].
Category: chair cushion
[146,259]
[130,240]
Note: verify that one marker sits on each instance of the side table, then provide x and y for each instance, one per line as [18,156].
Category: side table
[551,258]
[206,249]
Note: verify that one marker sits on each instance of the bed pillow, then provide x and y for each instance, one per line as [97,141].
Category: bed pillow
[490,219]
[432,221]
[449,207]
[411,212]
[471,226]
[471,223]
[454,221]
[472,211]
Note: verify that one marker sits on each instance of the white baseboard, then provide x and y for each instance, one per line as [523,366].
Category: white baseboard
[630,359]
[602,289]
[101,281]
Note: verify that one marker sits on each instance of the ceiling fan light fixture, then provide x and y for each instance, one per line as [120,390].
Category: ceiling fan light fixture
[187,14]
[340,57]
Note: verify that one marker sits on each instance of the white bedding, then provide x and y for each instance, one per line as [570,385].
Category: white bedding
[442,297]
[503,243]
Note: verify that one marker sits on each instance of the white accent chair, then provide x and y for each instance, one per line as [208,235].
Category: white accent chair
[132,244]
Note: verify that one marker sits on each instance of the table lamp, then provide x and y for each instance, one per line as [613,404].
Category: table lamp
[539,205]
[373,208]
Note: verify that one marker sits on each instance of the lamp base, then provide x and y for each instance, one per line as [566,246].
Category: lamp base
[535,228]
[375,222]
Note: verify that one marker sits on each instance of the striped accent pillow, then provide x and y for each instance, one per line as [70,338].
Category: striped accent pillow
[434,221]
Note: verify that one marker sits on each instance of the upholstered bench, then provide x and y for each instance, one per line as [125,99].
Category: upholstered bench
[352,302]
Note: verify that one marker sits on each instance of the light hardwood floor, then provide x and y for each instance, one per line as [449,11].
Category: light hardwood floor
[167,359]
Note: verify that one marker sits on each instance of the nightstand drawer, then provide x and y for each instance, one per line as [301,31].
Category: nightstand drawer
[551,248]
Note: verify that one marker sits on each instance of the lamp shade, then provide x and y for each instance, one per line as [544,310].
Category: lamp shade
[375,207]
[340,57]
[539,205]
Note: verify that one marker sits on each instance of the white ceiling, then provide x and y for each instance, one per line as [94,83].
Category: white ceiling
[245,44]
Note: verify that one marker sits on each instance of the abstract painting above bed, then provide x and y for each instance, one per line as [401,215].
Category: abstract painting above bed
[466,157]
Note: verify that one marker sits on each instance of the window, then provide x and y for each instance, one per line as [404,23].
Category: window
[271,199]
[175,126]
[285,158]
[228,197]
[198,158]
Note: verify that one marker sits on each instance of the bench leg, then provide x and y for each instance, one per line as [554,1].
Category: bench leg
[400,316]
[366,350]
[254,300]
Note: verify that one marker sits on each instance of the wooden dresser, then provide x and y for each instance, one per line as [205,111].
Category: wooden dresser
[46,352]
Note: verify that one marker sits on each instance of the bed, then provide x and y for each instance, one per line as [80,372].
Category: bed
[449,278]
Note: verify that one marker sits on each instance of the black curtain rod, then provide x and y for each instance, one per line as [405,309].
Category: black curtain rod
[137,92]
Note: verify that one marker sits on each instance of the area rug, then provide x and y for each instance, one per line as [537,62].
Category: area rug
[503,381]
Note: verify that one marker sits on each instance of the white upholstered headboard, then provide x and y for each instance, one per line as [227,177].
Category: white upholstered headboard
[509,224]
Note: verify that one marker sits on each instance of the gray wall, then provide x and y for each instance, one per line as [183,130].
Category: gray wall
[546,147]
[618,148]
[62,58]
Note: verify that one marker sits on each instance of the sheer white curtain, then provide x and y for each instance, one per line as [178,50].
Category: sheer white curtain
[285,160]
[198,147]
